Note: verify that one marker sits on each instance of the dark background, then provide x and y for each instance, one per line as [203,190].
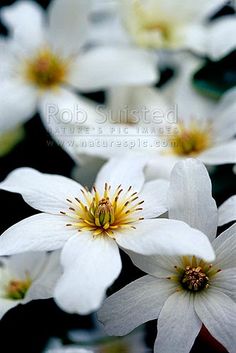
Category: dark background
[27,328]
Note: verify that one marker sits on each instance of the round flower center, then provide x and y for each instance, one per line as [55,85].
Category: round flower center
[115,347]
[103,214]
[193,274]
[46,70]
[194,279]
[190,141]
[17,289]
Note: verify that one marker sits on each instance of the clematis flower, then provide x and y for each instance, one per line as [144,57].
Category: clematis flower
[203,129]
[45,61]
[183,293]
[227,211]
[27,276]
[166,125]
[162,24]
[90,226]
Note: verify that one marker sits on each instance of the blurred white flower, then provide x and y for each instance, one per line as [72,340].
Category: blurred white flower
[27,276]
[90,226]
[227,211]
[203,128]
[45,60]
[187,292]
[166,125]
[157,24]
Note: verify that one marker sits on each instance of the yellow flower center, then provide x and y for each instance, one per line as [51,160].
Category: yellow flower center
[194,274]
[46,70]
[190,141]
[103,214]
[115,347]
[150,27]
[17,289]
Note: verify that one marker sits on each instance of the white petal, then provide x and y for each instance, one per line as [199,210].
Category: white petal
[126,171]
[66,116]
[106,67]
[221,154]
[6,305]
[178,325]
[154,194]
[44,192]
[135,304]
[160,166]
[225,248]
[220,39]
[91,265]
[20,264]
[17,104]
[225,281]
[41,232]
[218,313]
[43,286]
[25,19]
[224,124]
[227,211]
[165,237]
[68,25]
[190,197]
[158,266]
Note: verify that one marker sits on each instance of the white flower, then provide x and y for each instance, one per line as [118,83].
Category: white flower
[165,125]
[90,226]
[227,211]
[27,276]
[159,24]
[45,61]
[203,129]
[187,292]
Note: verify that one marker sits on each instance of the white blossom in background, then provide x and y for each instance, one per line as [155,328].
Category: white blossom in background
[187,292]
[152,24]
[203,128]
[165,125]
[46,60]
[27,276]
[90,226]
[227,211]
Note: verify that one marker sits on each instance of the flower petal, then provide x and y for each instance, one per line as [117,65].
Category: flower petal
[135,304]
[126,171]
[224,124]
[68,25]
[227,211]
[91,265]
[25,19]
[218,313]
[220,39]
[40,232]
[43,287]
[106,67]
[190,197]
[225,248]
[17,103]
[221,154]
[161,166]
[225,281]
[30,262]
[165,237]
[44,192]
[6,305]
[154,194]
[178,325]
